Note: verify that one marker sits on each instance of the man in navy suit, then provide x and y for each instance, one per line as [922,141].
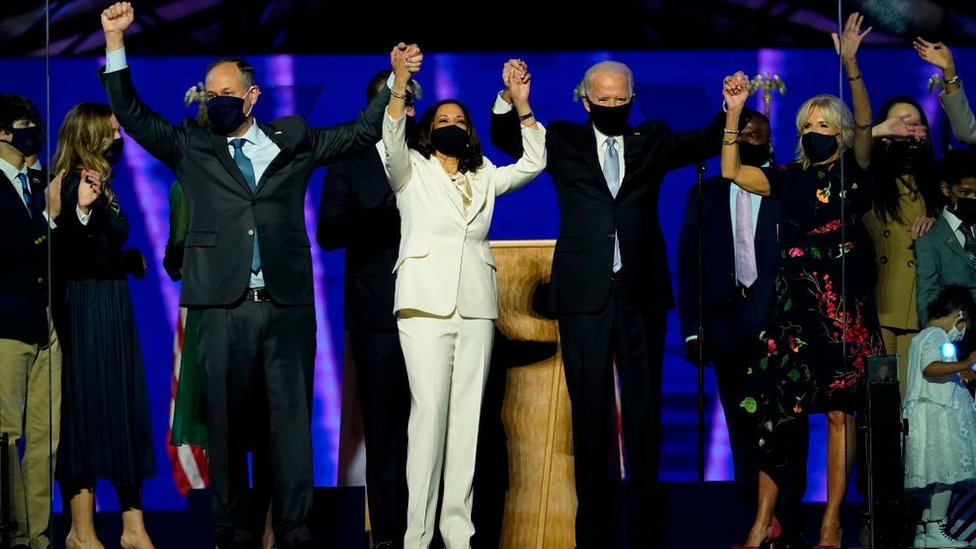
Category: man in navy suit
[727,265]
[611,289]
[30,355]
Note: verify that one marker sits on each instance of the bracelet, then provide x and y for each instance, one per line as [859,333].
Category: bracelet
[864,127]
[398,95]
[854,78]
[734,132]
[953,80]
[526,116]
[729,142]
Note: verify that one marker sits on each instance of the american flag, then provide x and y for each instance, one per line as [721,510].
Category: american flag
[189,462]
[962,516]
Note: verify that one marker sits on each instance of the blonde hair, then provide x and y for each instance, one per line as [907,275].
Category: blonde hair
[85,134]
[837,115]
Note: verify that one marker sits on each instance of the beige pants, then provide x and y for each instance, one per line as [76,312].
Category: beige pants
[447,367]
[30,408]
[899,344]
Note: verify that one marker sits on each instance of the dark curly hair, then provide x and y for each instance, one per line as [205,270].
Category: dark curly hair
[952,298]
[471,160]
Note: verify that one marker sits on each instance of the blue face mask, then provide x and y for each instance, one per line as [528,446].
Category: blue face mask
[226,113]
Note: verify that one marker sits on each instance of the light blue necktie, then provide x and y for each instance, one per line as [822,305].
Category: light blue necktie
[611,172]
[27,194]
[247,169]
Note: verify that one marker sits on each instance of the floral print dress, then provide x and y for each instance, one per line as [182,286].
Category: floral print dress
[813,351]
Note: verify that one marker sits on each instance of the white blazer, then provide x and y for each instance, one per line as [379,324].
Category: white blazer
[445,261]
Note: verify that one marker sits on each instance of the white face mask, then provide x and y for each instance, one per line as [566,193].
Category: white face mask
[955,334]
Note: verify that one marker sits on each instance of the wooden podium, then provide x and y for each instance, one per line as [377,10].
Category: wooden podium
[540,506]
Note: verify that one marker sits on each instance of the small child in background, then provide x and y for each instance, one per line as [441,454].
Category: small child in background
[940,449]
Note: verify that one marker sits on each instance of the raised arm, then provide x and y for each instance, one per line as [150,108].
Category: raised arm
[953,96]
[397,161]
[533,158]
[162,139]
[505,125]
[735,90]
[846,44]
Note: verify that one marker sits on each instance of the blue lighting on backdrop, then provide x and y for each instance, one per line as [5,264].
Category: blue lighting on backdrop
[683,88]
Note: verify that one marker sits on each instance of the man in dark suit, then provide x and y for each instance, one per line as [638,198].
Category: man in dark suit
[610,288]
[359,213]
[30,355]
[716,301]
[248,270]
[726,284]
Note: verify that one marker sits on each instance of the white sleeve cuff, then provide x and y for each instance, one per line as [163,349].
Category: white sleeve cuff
[82,217]
[115,60]
[501,106]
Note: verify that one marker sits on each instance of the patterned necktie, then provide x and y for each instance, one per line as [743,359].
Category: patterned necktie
[745,246]
[611,172]
[27,194]
[970,241]
[247,169]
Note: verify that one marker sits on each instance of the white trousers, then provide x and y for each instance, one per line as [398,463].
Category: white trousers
[447,367]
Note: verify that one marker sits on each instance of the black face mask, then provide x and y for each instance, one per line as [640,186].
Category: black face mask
[114,152]
[818,147]
[965,210]
[903,155]
[753,155]
[26,140]
[450,140]
[611,121]
[226,113]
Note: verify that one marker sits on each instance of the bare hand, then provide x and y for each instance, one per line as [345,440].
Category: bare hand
[89,189]
[901,126]
[518,82]
[849,41]
[967,376]
[117,17]
[920,226]
[52,196]
[937,54]
[735,90]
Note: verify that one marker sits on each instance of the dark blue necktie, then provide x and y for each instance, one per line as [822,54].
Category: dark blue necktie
[247,169]
[27,194]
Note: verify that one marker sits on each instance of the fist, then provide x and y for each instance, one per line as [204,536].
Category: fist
[117,17]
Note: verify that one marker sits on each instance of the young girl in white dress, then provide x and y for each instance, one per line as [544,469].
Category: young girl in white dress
[940,449]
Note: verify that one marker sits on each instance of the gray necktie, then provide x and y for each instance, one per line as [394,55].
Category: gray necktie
[247,169]
[611,172]
[969,241]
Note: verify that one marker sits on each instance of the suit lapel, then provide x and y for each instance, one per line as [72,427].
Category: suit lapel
[592,158]
[632,152]
[478,197]
[7,189]
[286,152]
[950,239]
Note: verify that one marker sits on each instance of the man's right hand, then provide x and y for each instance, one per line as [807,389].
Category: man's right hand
[693,352]
[115,20]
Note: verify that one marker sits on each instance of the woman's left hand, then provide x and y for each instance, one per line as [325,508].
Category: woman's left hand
[920,226]
[849,41]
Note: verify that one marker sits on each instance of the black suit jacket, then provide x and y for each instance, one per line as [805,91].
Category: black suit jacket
[359,213]
[590,215]
[223,212]
[727,320]
[23,262]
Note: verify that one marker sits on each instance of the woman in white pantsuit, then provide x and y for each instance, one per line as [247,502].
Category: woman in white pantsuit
[446,301]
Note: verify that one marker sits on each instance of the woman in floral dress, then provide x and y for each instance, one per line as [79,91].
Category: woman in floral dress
[824,326]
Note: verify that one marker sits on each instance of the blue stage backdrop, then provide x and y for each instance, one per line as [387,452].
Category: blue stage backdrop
[680,87]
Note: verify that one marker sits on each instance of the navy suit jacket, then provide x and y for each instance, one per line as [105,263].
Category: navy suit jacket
[359,213]
[23,263]
[727,320]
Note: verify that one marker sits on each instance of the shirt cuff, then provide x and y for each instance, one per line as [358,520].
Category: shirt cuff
[115,60]
[690,338]
[82,217]
[389,81]
[501,106]
[50,222]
